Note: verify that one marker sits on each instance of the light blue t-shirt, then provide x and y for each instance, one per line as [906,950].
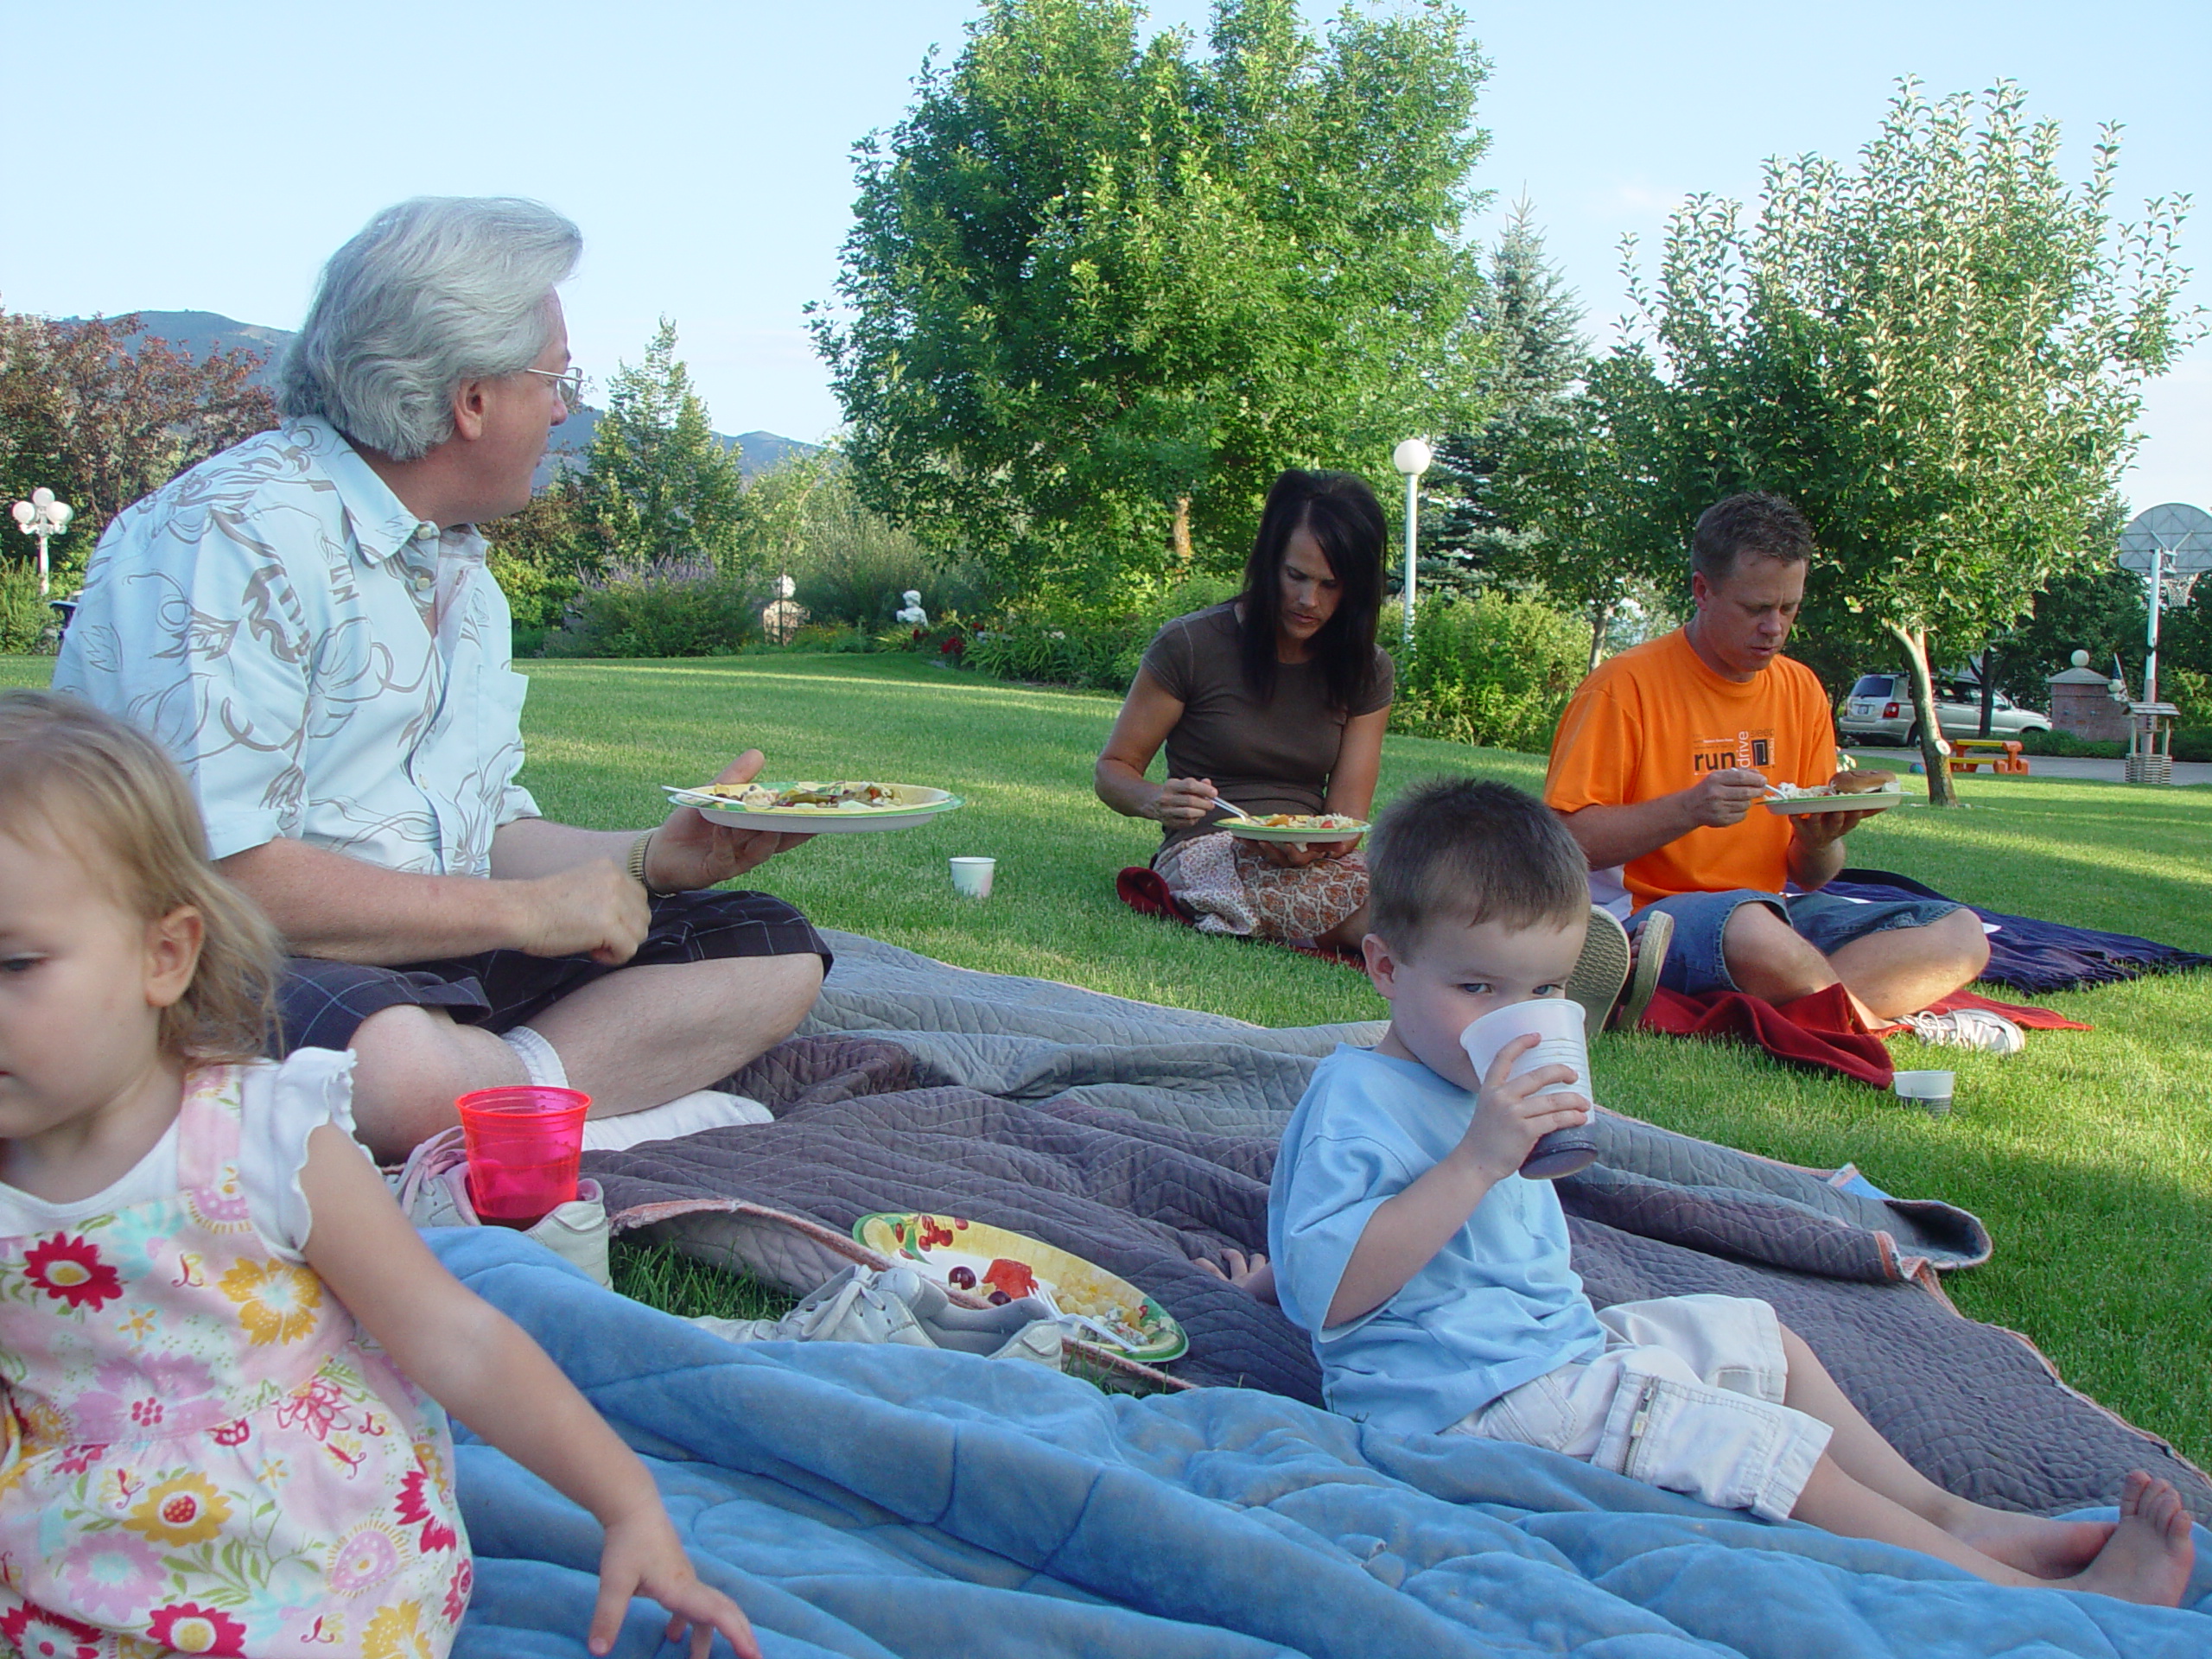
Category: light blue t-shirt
[1498,1306]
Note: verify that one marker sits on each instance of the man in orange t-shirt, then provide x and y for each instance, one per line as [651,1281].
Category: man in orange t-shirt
[1666,751]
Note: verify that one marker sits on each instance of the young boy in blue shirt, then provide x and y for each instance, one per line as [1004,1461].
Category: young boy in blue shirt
[1434,1277]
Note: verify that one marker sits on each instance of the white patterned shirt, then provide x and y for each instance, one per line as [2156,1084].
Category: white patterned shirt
[323,665]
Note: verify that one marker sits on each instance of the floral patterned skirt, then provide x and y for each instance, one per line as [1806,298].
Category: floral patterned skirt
[1233,888]
[323,1522]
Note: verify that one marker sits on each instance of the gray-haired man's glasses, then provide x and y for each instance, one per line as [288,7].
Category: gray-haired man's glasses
[570,381]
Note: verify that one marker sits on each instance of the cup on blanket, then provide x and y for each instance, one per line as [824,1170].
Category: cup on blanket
[1929,1090]
[971,877]
[524,1147]
[1557,1024]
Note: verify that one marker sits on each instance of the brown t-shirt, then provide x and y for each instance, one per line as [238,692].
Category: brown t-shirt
[1267,757]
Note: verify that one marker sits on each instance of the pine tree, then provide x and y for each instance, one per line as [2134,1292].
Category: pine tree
[660,487]
[1539,354]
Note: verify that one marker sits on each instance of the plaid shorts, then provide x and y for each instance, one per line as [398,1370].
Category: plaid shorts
[322,1003]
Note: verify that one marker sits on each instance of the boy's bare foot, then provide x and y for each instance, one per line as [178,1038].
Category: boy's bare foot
[1247,1273]
[2149,1556]
[2048,1549]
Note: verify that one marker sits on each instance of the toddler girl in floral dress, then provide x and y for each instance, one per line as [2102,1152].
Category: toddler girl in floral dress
[210,1306]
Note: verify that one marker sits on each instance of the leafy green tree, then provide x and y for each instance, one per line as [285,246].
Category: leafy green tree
[1937,353]
[659,487]
[102,413]
[1099,292]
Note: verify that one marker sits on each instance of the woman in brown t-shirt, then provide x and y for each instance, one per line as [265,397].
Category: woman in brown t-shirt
[1276,702]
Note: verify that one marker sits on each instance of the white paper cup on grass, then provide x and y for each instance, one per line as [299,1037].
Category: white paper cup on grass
[971,877]
[1929,1090]
[1557,1023]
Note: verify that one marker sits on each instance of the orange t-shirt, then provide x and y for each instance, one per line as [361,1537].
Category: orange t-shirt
[1654,720]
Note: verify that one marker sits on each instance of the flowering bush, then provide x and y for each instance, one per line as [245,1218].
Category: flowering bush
[669,607]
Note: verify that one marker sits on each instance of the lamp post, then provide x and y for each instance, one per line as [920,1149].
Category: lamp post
[1412,458]
[42,517]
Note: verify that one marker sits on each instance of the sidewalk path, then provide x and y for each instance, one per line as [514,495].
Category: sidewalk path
[2047,765]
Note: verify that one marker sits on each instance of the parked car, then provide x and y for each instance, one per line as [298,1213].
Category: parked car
[1879,710]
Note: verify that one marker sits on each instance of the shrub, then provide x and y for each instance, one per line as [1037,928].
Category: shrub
[27,621]
[1063,642]
[2066,745]
[1489,672]
[816,638]
[671,608]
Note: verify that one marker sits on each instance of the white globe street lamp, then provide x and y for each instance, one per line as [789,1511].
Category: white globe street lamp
[1412,458]
[42,517]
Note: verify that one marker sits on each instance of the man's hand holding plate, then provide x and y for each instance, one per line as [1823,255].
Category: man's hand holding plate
[690,850]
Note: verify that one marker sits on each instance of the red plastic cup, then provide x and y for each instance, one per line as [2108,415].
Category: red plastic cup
[524,1145]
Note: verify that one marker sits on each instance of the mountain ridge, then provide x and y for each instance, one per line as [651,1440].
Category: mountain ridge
[203,334]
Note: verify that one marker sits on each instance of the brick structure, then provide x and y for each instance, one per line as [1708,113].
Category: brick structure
[2081,703]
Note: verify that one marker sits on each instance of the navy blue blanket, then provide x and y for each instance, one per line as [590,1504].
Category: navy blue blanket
[869,1502]
[2031,954]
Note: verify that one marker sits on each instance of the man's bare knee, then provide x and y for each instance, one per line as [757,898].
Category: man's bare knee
[410,1065]
[787,988]
[1962,932]
[1767,958]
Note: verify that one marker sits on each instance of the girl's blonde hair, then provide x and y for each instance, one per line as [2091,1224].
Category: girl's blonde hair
[98,786]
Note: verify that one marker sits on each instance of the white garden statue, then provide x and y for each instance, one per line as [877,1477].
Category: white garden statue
[914,615]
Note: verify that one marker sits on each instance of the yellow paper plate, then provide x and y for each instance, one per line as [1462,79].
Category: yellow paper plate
[1124,1318]
[910,805]
[1300,833]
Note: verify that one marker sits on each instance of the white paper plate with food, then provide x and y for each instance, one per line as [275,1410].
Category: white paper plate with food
[839,807]
[1295,826]
[1851,790]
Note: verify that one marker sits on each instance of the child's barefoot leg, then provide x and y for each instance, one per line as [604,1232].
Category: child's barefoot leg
[2147,1559]
[2046,1549]
[2150,1552]
[1836,1503]
[1251,1273]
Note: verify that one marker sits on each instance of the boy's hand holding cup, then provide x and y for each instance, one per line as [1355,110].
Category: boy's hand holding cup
[1533,1060]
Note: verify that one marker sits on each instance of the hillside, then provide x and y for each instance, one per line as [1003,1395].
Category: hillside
[203,333]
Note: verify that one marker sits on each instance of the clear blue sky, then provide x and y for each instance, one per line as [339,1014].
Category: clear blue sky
[209,156]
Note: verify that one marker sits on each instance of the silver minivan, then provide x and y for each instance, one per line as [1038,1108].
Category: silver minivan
[1879,710]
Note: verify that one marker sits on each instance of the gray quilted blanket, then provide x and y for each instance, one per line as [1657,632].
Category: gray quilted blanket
[1142,1137]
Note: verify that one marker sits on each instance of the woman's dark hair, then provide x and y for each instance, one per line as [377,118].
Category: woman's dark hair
[1340,511]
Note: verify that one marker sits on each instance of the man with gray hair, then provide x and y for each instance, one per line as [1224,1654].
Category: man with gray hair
[306,622]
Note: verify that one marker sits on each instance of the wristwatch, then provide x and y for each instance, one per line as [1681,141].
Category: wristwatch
[638,849]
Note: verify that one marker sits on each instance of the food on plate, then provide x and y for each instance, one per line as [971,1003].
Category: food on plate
[845,796]
[1869,782]
[1865,782]
[1013,1277]
[1307,821]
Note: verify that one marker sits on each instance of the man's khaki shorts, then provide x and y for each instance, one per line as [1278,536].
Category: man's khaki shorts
[1687,1396]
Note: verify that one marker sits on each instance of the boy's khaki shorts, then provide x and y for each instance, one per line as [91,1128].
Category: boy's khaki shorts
[1687,1396]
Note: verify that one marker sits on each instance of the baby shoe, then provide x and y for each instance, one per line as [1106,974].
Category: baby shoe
[897,1305]
[433,1190]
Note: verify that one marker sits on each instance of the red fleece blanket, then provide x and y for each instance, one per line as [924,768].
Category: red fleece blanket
[1820,1031]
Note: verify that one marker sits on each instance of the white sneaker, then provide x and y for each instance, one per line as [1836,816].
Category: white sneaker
[1975,1028]
[433,1190]
[897,1305]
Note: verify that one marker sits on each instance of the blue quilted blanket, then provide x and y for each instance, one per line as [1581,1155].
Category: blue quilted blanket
[871,1502]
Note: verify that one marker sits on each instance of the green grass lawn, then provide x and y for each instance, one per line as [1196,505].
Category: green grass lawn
[2088,1155]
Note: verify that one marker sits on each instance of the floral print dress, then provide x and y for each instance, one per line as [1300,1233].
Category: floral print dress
[202,1453]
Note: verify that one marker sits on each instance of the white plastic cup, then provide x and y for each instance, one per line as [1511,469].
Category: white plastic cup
[1929,1090]
[1558,1025]
[971,877]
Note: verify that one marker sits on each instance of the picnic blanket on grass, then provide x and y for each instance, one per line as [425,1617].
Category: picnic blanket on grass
[2030,953]
[972,1110]
[869,1502]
